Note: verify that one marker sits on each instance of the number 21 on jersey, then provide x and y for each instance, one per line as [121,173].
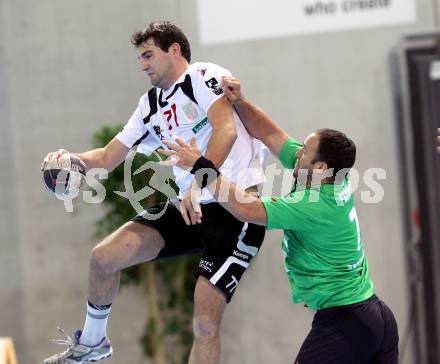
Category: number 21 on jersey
[171,113]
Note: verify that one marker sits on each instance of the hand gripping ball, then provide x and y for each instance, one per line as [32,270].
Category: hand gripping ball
[64,174]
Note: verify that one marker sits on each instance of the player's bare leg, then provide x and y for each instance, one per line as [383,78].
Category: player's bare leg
[209,305]
[131,244]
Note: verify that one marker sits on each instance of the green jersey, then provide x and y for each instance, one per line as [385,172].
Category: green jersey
[324,256]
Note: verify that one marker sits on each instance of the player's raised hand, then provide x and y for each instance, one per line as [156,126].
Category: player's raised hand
[232,89]
[56,154]
[183,155]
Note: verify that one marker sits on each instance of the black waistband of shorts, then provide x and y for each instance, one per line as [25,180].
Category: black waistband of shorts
[351,305]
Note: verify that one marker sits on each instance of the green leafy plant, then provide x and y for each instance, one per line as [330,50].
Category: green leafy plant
[168,285]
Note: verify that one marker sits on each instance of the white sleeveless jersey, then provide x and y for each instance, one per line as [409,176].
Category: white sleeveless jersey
[182,110]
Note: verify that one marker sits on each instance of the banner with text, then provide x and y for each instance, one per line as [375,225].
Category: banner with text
[235,20]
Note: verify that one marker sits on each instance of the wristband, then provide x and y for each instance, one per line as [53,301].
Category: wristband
[204,171]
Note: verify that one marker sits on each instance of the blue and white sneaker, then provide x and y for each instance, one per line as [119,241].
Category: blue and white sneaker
[77,353]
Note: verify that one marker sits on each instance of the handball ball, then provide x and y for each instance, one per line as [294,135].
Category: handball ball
[63,175]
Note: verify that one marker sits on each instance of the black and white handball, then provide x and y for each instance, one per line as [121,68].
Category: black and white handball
[63,174]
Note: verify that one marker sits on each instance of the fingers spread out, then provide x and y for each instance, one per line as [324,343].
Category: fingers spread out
[168,153]
[172,146]
[172,161]
[180,141]
[169,162]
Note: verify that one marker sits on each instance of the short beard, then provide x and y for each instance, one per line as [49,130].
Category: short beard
[302,176]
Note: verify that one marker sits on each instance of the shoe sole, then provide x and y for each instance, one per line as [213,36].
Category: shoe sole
[104,357]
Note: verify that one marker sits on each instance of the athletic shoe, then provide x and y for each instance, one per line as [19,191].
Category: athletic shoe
[77,353]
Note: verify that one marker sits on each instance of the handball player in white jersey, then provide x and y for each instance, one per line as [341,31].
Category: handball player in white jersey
[186,101]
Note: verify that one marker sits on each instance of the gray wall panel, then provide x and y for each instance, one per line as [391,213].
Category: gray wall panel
[12,321]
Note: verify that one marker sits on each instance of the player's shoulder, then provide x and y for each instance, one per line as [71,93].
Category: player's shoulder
[150,97]
[202,69]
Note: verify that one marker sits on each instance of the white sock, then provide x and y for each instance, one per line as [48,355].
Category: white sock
[95,327]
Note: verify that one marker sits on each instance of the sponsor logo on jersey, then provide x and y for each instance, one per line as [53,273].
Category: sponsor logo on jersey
[190,111]
[200,125]
[212,83]
[202,71]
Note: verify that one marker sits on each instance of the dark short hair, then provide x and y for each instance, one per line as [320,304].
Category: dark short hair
[336,149]
[164,34]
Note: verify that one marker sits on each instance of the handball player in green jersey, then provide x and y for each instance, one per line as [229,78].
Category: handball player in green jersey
[324,256]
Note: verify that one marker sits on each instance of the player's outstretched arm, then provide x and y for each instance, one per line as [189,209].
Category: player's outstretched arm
[259,124]
[108,157]
[238,202]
